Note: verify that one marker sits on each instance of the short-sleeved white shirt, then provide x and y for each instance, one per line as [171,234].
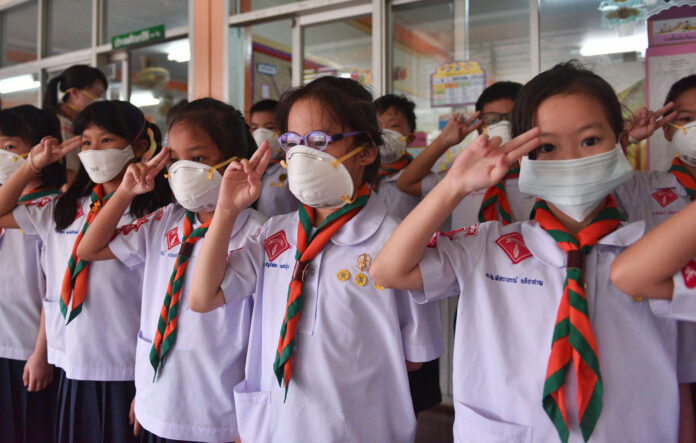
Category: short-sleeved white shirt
[98,344]
[510,281]
[275,197]
[191,398]
[22,285]
[349,380]
[398,202]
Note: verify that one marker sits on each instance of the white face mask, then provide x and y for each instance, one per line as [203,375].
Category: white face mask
[195,185]
[103,165]
[9,162]
[394,146]
[684,142]
[318,179]
[502,129]
[575,186]
[262,134]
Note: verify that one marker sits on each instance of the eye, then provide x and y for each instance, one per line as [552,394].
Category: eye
[105,140]
[590,141]
[545,149]
[197,159]
[86,143]
[9,147]
[685,119]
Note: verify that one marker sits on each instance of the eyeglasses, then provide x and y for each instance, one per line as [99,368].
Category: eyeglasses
[314,139]
[490,118]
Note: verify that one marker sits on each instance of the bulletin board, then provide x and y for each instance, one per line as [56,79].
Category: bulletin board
[458,83]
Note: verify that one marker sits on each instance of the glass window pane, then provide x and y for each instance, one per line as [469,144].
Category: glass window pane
[159,78]
[123,16]
[19,90]
[68,26]
[18,33]
[254,5]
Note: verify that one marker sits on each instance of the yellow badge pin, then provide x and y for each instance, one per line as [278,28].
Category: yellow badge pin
[360,279]
[364,262]
[343,275]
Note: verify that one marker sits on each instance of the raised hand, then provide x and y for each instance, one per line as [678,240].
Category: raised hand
[457,128]
[644,122]
[484,162]
[49,150]
[241,183]
[140,176]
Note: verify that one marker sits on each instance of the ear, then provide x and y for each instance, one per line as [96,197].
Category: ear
[368,155]
[140,147]
[668,132]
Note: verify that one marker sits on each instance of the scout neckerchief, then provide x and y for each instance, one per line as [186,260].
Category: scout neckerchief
[683,176]
[37,193]
[495,200]
[389,169]
[308,246]
[573,339]
[75,279]
[165,336]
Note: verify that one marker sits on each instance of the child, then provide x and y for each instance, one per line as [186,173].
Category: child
[338,370]
[503,201]
[275,198]
[67,95]
[187,363]
[27,387]
[100,302]
[542,282]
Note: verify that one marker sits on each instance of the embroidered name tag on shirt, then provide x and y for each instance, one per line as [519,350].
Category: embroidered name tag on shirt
[173,238]
[689,274]
[513,246]
[276,244]
[664,196]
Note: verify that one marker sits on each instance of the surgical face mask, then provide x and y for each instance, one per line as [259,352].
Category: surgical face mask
[394,146]
[684,142]
[318,179]
[102,165]
[575,186]
[196,185]
[502,129]
[262,134]
[9,162]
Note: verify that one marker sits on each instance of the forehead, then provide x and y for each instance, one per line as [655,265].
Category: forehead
[262,116]
[569,110]
[309,115]
[184,135]
[686,100]
[93,130]
[501,105]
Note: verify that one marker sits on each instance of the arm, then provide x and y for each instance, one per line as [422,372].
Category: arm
[646,268]
[481,165]
[644,123]
[38,374]
[454,132]
[139,179]
[241,185]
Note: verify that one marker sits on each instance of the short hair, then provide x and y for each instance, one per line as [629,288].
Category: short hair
[264,106]
[497,91]
[401,104]
[679,87]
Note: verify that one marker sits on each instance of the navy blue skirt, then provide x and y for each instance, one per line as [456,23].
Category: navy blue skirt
[425,386]
[94,411]
[25,416]
[149,437]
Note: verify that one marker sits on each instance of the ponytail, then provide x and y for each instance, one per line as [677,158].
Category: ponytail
[76,76]
[50,99]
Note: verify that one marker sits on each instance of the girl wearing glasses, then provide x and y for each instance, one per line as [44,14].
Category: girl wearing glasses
[328,348]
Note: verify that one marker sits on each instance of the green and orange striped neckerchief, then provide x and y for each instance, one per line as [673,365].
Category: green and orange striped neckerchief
[37,193]
[308,246]
[683,176]
[74,286]
[495,200]
[165,336]
[573,339]
[389,169]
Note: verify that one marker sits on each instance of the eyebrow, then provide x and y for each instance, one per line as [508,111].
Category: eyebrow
[595,125]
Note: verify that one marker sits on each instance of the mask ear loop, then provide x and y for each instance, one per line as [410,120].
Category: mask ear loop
[16,158]
[345,199]
[219,165]
[674,125]
[153,146]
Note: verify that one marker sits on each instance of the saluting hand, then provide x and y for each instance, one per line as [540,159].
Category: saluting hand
[140,177]
[484,162]
[241,183]
[49,150]
[644,122]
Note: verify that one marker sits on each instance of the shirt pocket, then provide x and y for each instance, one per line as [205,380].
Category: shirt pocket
[253,413]
[472,427]
[144,373]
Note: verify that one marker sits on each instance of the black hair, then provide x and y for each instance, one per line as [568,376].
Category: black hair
[679,87]
[223,123]
[31,124]
[565,78]
[125,120]
[76,76]
[267,105]
[401,104]
[173,111]
[497,91]
[347,103]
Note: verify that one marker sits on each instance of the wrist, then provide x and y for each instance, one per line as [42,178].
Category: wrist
[32,166]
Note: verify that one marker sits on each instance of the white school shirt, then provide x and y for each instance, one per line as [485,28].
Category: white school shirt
[466,212]
[98,344]
[349,380]
[22,285]
[651,196]
[511,280]
[275,197]
[398,202]
[191,399]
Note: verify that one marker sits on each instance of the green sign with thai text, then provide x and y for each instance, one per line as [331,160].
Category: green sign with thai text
[138,37]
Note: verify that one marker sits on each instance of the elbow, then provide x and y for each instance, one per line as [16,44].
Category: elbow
[624,280]
[380,274]
[407,187]
[197,301]
[84,253]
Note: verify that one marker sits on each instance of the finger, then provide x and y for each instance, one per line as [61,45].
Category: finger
[246,166]
[69,145]
[664,110]
[669,118]
[521,140]
[136,428]
[25,376]
[256,157]
[32,384]
[494,143]
[513,156]
[473,117]
[159,160]
[260,168]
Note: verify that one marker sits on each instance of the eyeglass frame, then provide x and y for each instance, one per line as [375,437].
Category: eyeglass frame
[303,139]
[501,116]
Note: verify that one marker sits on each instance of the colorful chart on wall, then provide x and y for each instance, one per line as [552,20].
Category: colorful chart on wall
[458,83]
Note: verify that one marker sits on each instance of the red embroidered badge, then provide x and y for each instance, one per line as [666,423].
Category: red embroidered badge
[664,196]
[78,211]
[466,230]
[276,244]
[513,246]
[173,238]
[689,274]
